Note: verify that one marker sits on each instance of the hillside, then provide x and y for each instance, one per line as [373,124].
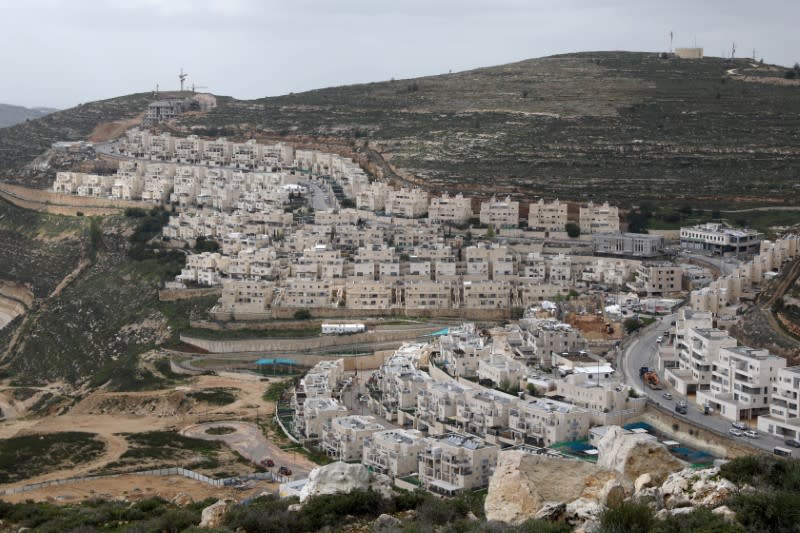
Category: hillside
[14,114]
[622,126]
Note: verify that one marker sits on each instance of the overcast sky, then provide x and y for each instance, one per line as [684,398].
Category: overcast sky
[62,52]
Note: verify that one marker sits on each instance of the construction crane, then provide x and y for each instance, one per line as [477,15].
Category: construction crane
[182,76]
[195,87]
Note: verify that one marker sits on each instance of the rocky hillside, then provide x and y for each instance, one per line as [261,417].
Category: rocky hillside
[14,114]
[622,126]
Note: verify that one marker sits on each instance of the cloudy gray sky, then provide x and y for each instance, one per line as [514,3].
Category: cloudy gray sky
[63,52]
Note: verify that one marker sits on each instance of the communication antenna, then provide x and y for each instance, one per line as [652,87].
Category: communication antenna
[671,36]
[733,50]
[182,76]
[754,55]
[156,91]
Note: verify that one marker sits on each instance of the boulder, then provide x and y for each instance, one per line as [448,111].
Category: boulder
[385,522]
[642,482]
[583,510]
[651,497]
[551,511]
[696,487]
[341,478]
[613,493]
[295,508]
[633,454]
[726,512]
[523,483]
[212,515]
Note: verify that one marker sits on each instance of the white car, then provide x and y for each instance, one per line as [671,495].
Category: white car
[736,432]
[751,434]
[660,339]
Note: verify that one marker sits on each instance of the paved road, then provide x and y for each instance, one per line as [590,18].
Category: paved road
[642,351]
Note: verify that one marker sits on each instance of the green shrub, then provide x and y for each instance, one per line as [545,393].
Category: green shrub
[627,518]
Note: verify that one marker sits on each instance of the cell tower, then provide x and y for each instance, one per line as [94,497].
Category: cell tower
[671,36]
[182,76]
[733,50]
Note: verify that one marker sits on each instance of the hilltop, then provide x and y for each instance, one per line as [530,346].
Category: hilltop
[623,126]
[14,114]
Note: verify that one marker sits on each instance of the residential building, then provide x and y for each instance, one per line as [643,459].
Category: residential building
[550,216]
[393,452]
[500,213]
[448,209]
[343,437]
[657,279]
[634,245]
[720,239]
[783,419]
[544,422]
[596,218]
[407,203]
[452,463]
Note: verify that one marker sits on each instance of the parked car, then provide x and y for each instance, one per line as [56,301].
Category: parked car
[285,471]
[659,338]
[750,433]
[739,425]
[269,463]
[794,443]
[667,396]
[736,432]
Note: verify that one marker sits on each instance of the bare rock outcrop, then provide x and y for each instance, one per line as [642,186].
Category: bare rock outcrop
[341,478]
[213,515]
[525,485]
[696,488]
[632,455]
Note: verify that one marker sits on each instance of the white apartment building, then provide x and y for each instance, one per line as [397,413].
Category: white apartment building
[452,463]
[596,218]
[315,413]
[550,335]
[448,209]
[246,296]
[545,422]
[407,203]
[720,239]
[628,244]
[551,216]
[501,368]
[393,452]
[500,213]
[742,379]
[343,437]
[484,411]
[697,351]
[783,419]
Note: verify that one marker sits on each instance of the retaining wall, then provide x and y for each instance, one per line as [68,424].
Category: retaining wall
[47,201]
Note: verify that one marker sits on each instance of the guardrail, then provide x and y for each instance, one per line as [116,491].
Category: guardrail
[174,471]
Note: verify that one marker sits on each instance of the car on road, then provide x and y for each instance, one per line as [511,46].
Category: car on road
[659,339]
[794,443]
[736,432]
[750,433]
[667,396]
[739,425]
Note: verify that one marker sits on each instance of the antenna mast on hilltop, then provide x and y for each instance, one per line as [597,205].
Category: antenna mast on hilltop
[733,50]
[182,77]
[670,41]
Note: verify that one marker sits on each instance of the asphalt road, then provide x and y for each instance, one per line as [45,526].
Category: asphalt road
[642,351]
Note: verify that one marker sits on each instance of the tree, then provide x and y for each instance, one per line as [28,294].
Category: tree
[302,314]
[573,230]
[631,324]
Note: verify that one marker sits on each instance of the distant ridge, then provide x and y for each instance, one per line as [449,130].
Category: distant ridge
[14,114]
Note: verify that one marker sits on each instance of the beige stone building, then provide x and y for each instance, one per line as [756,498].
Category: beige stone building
[500,213]
[657,279]
[452,463]
[448,209]
[343,437]
[551,216]
[369,295]
[407,203]
[548,421]
[393,452]
[783,419]
[596,218]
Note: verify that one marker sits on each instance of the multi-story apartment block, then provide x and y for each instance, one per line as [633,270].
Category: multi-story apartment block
[628,244]
[393,452]
[500,213]
[246,296]
[719,239]
[550,216]
[595,218]
[742,379]
[450,209]
[315,413]
[461,350]
[188,149]
[436,404]
[217,153]
[429,295]
[501,368]
[305,293]
[484,411]
[407,203]
[546,422]
[401,379]
[452,463]
[550,335]
[657,279]
[697,350]
[560,270]
[373,197]
[343,437]
[487,295]
[783,419]
[369,294]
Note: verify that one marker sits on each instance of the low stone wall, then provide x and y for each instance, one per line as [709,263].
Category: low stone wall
[695,435]
[170,295]
[342,313]
[310,344]
[46,201]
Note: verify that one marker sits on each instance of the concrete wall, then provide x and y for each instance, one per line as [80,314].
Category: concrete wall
[170,295]
[314,343]
[63,204]
[341,313]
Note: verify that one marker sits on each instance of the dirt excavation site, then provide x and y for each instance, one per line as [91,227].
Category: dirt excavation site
[218,426]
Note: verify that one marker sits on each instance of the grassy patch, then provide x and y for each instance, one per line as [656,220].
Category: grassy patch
[277,390]
[243,334]
[221,430]
[30,455]
[215,396]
